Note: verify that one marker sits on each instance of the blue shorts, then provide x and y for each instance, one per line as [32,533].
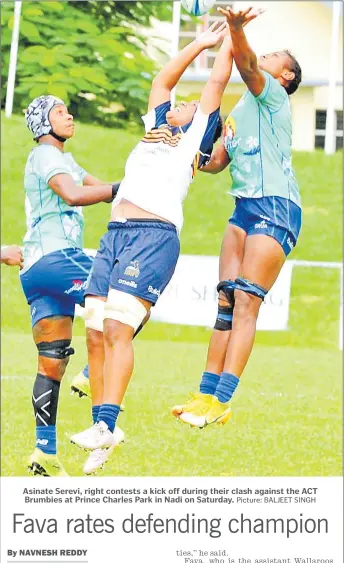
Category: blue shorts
[274,216]
[136,257]
[56,283]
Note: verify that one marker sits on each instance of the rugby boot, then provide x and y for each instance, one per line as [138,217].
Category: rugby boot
[97,436]
[194,410]
[45,465]
[218,413]
[99,457]
[81,386]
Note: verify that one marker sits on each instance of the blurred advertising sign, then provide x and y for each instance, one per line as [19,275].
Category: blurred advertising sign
[191,297]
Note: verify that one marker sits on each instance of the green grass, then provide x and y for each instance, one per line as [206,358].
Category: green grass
[287,411]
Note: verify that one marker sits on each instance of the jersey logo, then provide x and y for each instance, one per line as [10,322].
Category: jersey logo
[253,147]
[133,269]
[261,225]
[229,128]
[163,135]
[78,285]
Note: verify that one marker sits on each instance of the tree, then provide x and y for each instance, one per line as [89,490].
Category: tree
[91,54]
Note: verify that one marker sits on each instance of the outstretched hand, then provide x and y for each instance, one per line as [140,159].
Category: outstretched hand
[213,35]
[241,17]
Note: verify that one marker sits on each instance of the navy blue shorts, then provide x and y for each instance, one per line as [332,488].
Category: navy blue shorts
[136,257]
[273,216]
[56,283]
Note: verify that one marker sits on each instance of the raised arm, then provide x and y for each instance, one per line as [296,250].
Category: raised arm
[169,76]
[244,56]
[220,75]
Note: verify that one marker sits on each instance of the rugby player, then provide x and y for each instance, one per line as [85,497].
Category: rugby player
[138,254]
[55,268]
[12,256]
[266,222]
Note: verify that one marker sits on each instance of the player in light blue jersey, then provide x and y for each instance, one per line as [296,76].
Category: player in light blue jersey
[266,222]
[55,268]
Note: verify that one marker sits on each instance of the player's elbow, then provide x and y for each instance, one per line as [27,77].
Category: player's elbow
[246,63]
[159,82]
[72,199]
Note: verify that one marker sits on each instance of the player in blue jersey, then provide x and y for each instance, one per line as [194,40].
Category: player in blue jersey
[55,268]
[266,222]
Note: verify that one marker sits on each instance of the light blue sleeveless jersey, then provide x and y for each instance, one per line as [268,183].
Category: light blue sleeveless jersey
[51,223]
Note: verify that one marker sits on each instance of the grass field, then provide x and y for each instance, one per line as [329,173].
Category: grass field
[287,411]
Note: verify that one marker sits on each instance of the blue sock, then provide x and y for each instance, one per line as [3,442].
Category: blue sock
[46,439]
[95,413]
[209,383]
[86,372]
[226,387]
[108,414]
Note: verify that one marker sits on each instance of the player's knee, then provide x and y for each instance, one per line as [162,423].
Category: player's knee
[55,369]
[94,340]
[115,332]
[125,309]
[53,357]
[56,350]
[226,292]
[248,298]
[94,313]
[244,304]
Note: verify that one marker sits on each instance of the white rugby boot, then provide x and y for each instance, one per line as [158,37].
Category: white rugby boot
[98,436]
[99,457]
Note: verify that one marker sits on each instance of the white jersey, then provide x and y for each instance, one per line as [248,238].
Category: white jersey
[161,167]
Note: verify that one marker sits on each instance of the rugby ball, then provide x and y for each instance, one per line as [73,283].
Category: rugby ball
[198,7]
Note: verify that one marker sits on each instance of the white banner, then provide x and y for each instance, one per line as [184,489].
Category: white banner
[172,520]
[191,296]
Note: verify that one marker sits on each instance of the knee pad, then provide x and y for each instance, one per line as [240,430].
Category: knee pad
[227,287]
[249,287]
[224,318]
[125,308]
[57,350]
[94,313]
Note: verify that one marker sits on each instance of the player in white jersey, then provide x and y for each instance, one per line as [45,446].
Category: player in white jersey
[138,254]
[55,267]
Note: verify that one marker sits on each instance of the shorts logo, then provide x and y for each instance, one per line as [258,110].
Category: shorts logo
[261,225]
[133,269]
[33,312]
[129,283]
[290,243]
[78,285]
[41,442]
[154,291]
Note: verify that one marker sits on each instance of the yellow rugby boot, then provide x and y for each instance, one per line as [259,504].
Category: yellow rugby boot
[45,465]
[218,412]
[193,411]
[81,385]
